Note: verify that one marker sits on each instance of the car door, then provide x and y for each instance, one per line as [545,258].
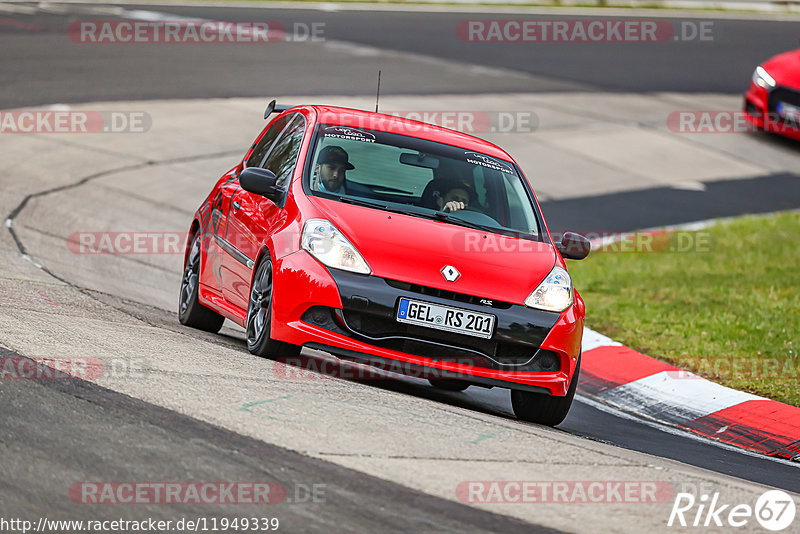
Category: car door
[217,225]
[252,218]
[226,272]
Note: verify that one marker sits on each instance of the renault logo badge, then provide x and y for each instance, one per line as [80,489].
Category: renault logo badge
[450,273]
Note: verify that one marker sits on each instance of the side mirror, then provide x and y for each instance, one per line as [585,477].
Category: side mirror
[574,246]
[260,182]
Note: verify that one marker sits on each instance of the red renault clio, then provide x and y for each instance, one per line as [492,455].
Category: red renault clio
[384,240]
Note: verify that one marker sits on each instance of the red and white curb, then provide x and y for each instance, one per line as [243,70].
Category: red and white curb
[618,376]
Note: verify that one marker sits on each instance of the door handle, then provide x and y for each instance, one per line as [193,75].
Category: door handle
[236,205]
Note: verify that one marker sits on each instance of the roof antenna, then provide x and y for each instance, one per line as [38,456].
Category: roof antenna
[379,91]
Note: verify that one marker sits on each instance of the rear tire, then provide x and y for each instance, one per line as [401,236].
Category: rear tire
[542,408]
[259,317]
[448,384]
[190,311]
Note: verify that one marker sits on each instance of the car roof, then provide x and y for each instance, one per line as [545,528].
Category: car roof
[356,118]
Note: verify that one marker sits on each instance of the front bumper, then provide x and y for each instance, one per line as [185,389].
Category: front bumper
[353,316]
[761,110]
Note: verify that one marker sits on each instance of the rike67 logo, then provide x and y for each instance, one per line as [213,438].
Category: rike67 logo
[774,510]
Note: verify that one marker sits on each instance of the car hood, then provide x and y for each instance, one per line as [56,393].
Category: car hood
[785,68]
[415,250]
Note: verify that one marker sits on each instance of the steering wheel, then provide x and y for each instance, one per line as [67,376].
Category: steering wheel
[475,215]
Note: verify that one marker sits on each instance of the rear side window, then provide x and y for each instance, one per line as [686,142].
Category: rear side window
[283,156]
[260,152]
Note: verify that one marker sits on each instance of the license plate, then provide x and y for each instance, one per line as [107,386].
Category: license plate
[788,111]
[446,318]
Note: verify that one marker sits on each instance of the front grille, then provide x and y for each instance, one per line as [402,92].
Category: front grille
[783,94]
[449,295]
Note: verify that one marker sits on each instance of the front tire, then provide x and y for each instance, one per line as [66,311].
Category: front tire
[190,311]
[259,317]
[542,408]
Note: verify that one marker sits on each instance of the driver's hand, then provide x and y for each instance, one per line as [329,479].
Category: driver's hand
[454,206]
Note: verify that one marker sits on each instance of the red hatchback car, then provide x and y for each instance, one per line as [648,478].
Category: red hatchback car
[773,101]
[384,240]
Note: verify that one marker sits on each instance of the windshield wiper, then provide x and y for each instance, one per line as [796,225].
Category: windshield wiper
[361,202]
[483,227]
[461,222]
[372,204]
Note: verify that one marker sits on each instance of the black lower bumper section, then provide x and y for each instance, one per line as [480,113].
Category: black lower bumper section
[785,95]
[370,310]
[420,371]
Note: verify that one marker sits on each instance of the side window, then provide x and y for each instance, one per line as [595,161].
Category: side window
[261,150]
[283,157]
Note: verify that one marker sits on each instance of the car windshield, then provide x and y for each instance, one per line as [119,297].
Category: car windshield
[421,178]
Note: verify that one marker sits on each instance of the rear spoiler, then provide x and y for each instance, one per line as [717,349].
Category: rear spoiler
[273,107]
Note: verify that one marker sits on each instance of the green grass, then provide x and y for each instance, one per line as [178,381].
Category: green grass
[728,309]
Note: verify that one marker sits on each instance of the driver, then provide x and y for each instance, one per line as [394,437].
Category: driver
[332,164]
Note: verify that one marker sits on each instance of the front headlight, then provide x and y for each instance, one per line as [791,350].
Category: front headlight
[762,78]
[325,242]
[554,293]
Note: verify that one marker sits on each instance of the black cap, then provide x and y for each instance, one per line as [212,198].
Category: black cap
[334,154]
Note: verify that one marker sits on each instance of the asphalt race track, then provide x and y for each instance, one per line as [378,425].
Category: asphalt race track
[389,453]
[38,69]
